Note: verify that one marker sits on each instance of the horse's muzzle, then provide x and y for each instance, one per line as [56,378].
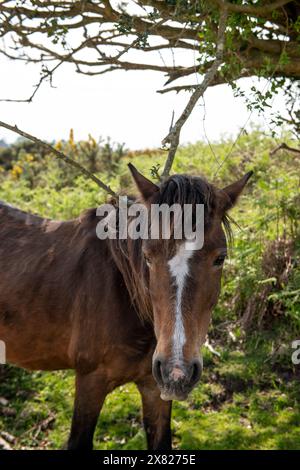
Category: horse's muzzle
[176,380]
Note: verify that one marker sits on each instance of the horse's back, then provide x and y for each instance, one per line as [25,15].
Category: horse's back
[35,292]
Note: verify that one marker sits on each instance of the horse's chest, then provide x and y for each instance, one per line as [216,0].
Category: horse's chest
[127,362]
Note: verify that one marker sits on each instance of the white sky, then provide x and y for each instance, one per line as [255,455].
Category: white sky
[122,105]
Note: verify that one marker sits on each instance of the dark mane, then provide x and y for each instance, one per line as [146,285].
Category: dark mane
[177,189]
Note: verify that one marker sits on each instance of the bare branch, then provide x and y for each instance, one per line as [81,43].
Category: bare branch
[284,146]
[173,137]
[178,88]
[60,155]
[46,74]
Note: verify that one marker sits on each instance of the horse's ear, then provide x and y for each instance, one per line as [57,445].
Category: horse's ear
[145,186]
[231,193]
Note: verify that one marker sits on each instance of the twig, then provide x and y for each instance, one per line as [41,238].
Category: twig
[8,437]
[211,348]
[4,445]
[284,146]
[173,136]
[172,120]
[178,88]
[60,155]
[46,74]
[44,426]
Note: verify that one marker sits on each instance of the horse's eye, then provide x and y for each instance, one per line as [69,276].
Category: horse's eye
[219,260]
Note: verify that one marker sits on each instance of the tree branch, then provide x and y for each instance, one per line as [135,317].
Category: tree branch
[174,135]
[61,156]
[112,31]
[284,146]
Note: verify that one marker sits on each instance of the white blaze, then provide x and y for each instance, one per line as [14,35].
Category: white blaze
[179,269]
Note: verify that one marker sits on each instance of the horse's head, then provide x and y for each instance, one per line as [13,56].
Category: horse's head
[184,283]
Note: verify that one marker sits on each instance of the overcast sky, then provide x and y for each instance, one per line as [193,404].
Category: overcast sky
[122,105]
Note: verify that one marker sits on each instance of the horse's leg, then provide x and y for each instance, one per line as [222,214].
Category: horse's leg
[156,416]
[90,394]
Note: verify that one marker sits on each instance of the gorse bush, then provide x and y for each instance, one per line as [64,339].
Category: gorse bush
[39,168]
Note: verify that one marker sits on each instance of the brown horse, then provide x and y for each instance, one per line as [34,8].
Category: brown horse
[116,311]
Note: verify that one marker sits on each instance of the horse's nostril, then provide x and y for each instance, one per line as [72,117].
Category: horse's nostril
[157,371]
[196,372]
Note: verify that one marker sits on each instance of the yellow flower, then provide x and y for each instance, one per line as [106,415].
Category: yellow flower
[71,140]
[16,171]
[58,145]
[92,141]
[29,157]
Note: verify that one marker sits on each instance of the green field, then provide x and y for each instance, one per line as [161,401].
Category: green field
[249,397]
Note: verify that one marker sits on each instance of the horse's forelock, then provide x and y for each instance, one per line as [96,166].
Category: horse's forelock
[184,189]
